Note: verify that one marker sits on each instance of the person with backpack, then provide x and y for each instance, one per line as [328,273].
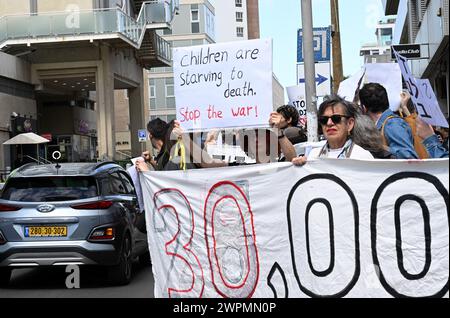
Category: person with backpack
[395,131]
[430,140]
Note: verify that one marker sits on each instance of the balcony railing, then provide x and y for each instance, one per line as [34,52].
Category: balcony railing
[163,48]
[92,24]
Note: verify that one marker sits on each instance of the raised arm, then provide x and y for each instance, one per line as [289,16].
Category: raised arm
[278,122]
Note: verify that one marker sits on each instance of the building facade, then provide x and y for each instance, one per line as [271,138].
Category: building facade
[425,22]
[380,52]
[62,60]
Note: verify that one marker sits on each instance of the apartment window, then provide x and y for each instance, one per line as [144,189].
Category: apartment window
[170,103]
[152,94]
[162,117]
[169,87]
[171,117]
[239,17]
[170,93]
[240,32]
[195,19]
[238,3]
[197,42]
[33,7]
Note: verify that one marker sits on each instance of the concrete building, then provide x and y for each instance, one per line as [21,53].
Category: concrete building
[425,22]
[237,20]
[61,61]
[380,52]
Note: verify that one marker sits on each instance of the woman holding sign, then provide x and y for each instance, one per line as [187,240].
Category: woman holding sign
[337,120]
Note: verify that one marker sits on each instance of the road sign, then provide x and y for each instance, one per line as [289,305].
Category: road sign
[323,77]
[322,45]
[410,51]
[142,135]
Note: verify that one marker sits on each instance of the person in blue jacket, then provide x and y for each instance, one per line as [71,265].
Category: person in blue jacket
[396,132]
[430,140]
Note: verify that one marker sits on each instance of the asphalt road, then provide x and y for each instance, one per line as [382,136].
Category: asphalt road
[50,283]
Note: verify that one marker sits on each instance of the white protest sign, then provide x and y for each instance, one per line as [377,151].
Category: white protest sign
[422,95]
[388,75]
[325,232]
[223,85]
[432,112]
[348,88]
[296,95]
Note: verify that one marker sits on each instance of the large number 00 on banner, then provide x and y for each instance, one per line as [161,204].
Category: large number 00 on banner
[333,228]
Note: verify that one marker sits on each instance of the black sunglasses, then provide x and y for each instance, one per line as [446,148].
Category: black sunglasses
[336,119]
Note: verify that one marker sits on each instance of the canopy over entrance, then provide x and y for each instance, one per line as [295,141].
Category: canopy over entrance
[26,139]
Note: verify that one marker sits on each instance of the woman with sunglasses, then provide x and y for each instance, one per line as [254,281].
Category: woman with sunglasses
[336,120]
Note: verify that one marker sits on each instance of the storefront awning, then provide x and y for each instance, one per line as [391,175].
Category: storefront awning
[26,139]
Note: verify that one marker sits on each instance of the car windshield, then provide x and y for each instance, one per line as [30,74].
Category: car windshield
[48,189]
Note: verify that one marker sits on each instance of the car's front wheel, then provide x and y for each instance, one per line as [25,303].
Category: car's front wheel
[5,276]
[120,274]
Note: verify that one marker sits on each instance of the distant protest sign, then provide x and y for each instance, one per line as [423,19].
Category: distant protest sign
[422,95]
[324,232]
[349,88]
[296,95]
[224,85]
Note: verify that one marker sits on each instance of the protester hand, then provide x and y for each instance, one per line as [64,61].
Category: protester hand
[177,131]
[141,165]
[423,130]
[404,98]
[276,120]
[211,138]
[146,156]
[299,161]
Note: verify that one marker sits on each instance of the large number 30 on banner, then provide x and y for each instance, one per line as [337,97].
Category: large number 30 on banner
[333,228]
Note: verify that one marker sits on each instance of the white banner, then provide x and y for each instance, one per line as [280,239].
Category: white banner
[422,95]
[223,85]
[321,230]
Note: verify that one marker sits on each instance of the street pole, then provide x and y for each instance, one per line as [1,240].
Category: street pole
[338,74]
[310,72]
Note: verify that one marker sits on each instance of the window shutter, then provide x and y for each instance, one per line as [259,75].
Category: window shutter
[414,21]
[444,9]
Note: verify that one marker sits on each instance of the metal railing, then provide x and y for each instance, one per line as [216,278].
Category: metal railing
[124,154]
[50,27]
[39,160]
[163,48]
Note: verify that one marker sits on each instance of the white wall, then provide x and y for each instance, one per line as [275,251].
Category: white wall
[431,31]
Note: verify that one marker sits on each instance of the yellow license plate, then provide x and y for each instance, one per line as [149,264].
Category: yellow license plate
[45,231]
